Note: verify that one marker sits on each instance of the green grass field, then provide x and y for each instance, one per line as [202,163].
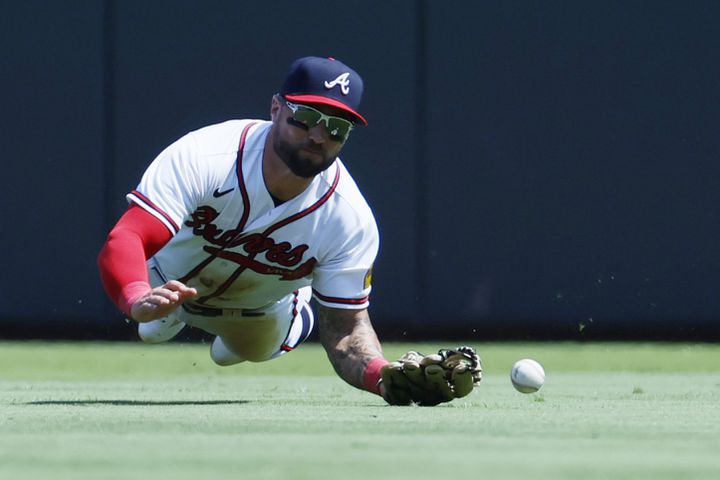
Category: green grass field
[132,411]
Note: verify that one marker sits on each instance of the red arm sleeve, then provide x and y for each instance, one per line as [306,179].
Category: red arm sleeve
[136,237]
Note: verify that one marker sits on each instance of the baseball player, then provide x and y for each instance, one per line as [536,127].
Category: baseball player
[234,227]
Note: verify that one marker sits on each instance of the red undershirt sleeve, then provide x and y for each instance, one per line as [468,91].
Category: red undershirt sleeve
[137,236]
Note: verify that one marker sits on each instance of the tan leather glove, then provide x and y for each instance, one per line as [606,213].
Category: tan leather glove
[428,380]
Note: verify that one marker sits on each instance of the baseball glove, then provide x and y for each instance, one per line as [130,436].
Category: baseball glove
[431,379]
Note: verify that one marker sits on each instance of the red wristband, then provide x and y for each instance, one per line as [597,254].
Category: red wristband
[130,293]
[371,375]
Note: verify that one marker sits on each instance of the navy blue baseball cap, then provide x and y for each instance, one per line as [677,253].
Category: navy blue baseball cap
[324,81]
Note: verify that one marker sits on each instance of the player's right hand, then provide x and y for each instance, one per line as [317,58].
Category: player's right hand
[161,301]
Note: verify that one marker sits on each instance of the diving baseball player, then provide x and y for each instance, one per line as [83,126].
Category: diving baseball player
[234,227]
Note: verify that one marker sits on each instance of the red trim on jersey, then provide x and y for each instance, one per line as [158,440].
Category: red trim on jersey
[277,226]
[137,236]
[308,210]
[246,203]
[156,208]
[241,179]
[345,301]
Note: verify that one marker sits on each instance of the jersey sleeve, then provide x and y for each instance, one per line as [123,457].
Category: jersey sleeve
[345,279]
[173,184]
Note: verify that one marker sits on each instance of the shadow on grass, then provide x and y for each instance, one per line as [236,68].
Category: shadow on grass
[137,402]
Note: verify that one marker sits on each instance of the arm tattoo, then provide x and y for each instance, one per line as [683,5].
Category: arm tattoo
[349,340]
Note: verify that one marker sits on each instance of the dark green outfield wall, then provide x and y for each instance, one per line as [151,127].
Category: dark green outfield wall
[538,169]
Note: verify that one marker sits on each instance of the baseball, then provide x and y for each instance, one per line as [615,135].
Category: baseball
[527,376]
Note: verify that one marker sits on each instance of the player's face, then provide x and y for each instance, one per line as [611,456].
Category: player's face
[306,150]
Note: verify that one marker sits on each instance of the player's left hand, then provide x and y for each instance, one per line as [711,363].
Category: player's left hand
[428,380]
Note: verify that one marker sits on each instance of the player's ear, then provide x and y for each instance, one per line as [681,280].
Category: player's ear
[275,106]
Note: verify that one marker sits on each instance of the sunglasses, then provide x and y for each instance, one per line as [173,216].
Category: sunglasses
[306,117]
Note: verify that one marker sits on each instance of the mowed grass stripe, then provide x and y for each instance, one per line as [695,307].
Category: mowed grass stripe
[108,360]
[111,411]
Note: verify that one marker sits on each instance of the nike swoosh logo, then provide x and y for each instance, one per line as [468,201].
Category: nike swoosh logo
[217,193]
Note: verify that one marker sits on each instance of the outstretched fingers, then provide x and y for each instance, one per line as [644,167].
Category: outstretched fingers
[178,286]
[161,301]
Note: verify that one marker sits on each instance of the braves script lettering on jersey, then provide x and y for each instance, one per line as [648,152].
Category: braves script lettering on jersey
[234,245]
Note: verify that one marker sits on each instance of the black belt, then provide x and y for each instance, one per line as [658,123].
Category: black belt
[204,311]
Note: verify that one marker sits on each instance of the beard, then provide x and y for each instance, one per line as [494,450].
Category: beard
[299,160]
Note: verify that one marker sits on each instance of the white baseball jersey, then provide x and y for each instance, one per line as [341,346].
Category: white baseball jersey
[234,245]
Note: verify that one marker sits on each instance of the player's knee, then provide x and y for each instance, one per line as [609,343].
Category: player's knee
[159,331]
[222,355]
[254,343]
[225,361]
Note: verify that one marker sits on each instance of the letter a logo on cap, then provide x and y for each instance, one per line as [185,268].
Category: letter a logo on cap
[343,81]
